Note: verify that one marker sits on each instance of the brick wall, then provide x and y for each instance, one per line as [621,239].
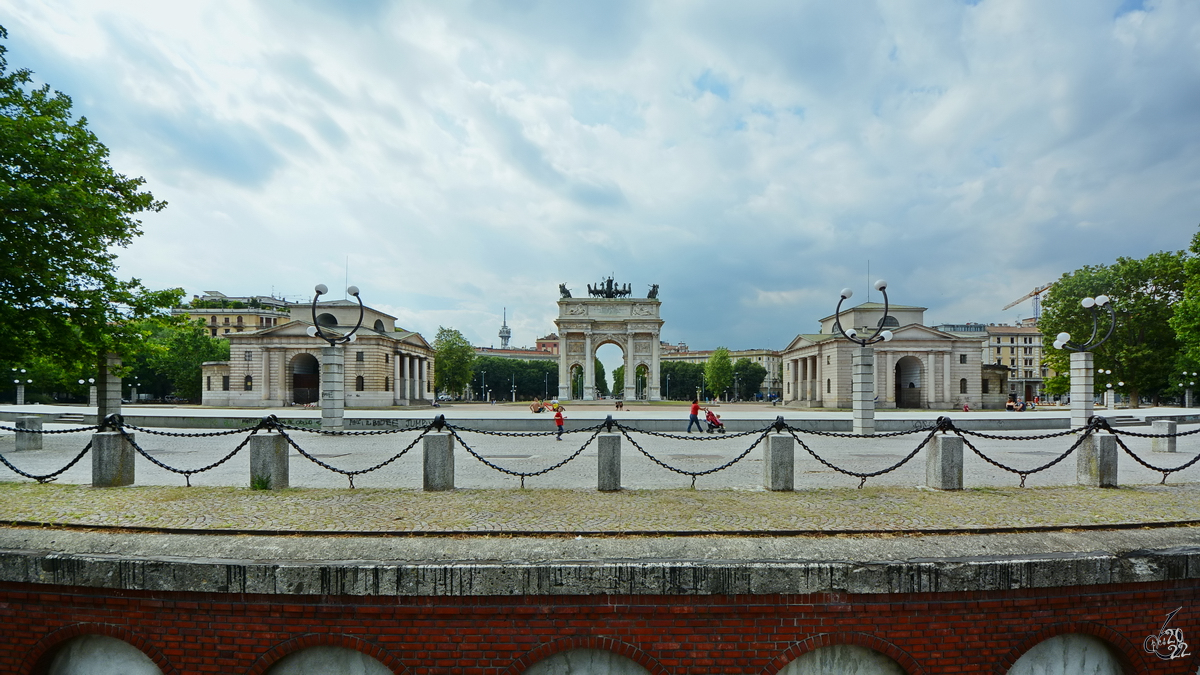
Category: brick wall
[961,632]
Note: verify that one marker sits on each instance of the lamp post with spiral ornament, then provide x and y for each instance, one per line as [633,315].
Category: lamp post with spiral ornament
[1083,392]
[862,363]
[333,362]
[20,385]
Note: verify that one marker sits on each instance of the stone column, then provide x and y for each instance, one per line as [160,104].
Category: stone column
[655,393]
[608,462]
[1082,389]
[438,462]
[947,391]
[564,373]
[265,375]
[421,376]
[930,378]
[820,382]
[944,463]
[589,369]
[889,379]
[112,460]
[108,388]
[20,394]
[268,461]
[1167,443]
[26,440]
[333,387]
[862,389]
[93,397]
[396,358]
[779,463]
[1096,465]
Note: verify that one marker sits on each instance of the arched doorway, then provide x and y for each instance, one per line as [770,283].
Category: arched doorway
[94,654]
[641,381]
[612,360]
[843,659]
[1069,654]
[306,379]
[909,375]
[576,381]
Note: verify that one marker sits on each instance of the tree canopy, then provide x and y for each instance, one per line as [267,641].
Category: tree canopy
[453,360]
[718,372]
[64,210]
[749,378]
[1143,350]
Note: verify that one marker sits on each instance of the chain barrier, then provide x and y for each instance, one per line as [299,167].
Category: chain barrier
[762,433]
[350,474]
[271,423]
[525,474]
[863,476]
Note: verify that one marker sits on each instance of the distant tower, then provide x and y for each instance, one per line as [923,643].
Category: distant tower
[505,331]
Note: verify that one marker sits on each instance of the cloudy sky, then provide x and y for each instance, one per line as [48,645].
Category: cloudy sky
[751,158]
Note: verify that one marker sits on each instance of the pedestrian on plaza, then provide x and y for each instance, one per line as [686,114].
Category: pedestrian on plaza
[694,417]
[558,421]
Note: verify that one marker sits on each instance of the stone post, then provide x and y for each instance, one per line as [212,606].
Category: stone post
[29,441]
[93,399]
[779,462]
[438,462]
[20,394]
[1083,392]
[862,379]
[1187,398]
[333,387]
[608,462]
[269,461]
[112,460]
[1097,463]
[944,463]
[107,391]
[1166,444]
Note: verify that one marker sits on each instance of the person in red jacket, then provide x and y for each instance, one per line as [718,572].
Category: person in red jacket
[558,420]
[695,416]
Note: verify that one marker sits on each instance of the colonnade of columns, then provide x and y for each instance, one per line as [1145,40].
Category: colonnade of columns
[410,373]
[806,379]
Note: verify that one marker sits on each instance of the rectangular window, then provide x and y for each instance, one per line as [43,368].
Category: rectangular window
[1012,362]
[1012,350]
[986,389]
[962,358]
[209,383]
[1029,362]
[1029,350]
[998,350]
[224,383]
[249,356]
[1012,340]
[360,356]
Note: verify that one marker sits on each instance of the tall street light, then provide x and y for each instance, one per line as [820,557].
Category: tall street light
[862,363]
[1083,391]
[333,362]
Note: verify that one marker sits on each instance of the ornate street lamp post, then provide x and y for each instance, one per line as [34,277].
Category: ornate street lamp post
[862,363]
[21,387]
[668,394]
[1187,389]
[92,398]
[1083,392]
[333,362]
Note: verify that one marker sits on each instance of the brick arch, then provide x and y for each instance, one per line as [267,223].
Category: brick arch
[586,642]
[872,642]
[48,643]
[1127,653]
[302,642]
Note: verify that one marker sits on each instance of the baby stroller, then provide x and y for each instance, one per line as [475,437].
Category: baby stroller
[714,422]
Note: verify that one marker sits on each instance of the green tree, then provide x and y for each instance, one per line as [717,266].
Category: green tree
[749,378]
[65,210]
[679,380]
[601,380]
[618,388]
[453,359]
[1185,320]
[718,372]
[1143,350]
[178,352]
[532,379]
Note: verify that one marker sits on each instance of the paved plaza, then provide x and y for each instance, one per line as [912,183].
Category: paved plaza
[655,498]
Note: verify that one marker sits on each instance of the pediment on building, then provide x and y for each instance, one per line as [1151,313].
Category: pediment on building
[916,331]
[806,340]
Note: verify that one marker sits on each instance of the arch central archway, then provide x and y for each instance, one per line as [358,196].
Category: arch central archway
[584,324]
[306,379]
[910,376]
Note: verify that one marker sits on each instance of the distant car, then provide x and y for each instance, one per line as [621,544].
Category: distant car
[444,397]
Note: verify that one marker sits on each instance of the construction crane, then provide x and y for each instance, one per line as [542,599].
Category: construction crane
[1036,295]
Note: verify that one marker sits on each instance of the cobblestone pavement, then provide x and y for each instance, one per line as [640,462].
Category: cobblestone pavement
[500,511]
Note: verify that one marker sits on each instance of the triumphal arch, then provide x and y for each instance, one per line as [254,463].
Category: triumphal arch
[607,316]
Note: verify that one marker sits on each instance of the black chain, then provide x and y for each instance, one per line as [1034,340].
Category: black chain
[201,434]
[348,473]
[46,478]
[1165,471]
[685,437]
[694,474]
[514,434]
[863,476]
[412,426]
[837,434]
[1087,431]
[49,431]
[1039,437]
[1174,435]
[186,473]
[528,474]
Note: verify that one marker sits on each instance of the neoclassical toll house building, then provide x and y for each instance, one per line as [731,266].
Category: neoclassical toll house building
[281,365]
[921,367]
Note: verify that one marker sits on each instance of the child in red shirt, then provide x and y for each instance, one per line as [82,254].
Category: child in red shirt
[558,420]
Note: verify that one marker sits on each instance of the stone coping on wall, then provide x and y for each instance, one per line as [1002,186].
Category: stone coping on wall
[491,566]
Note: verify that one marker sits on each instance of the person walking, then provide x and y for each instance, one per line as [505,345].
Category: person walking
[558,421]
[694,417]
